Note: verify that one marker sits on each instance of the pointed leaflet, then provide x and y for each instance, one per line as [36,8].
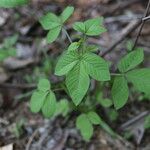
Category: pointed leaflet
[120,92]
[140,78]
[12,3]
[73,46]
[49,106]
[53,34]
[96,67]
[77,81]
[94,26]
[66,13]
[37,101]
[85,126]
[66,62]
[43,85]
[131,60]
[94,117]
[79,26]
[49,21]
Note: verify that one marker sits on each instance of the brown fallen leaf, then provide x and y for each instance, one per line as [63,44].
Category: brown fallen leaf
[12,63]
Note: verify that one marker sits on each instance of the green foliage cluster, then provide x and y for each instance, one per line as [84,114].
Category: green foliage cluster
[79,64]
[42,98]
[55,23]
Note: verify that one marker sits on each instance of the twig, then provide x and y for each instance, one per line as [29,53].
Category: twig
[31,139]
[69,38]
[133,120]
[142,25]
[125,32]
[119,6]
[18,86]
[146,18]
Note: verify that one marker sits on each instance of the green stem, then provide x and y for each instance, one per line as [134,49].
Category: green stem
[68,36]
[116,74]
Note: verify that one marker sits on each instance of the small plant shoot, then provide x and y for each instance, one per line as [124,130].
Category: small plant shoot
[78,67]
[78,64]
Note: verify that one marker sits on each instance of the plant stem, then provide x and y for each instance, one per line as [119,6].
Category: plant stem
[116,74]
[142,25]
[68,36]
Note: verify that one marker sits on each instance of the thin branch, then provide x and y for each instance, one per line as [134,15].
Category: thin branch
[69,38]
[142,25]
[18,86]
[146,18]
[124,33]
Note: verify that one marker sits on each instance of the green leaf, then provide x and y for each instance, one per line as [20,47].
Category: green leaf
[43,85]
[79,26]
[66,62]
[147,122]
[92,48]
[53,34]
[140,78]
[96,67]
[120,92]
[77,81]
[66,13]
[131,60]
[12,3]
[49,106]
[49,21]
[85,126]
[106,102]
[62,107]
[93,27]
[94,117]
[37,101]
[73,46]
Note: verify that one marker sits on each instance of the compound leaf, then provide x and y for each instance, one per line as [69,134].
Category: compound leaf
[49,106]
[140,78]
[93,26]
[120,92]
[53,34]
[66,13]
[85,126]
[37,101]
[131,60]
[77,81]
[66,62]
[96,67]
